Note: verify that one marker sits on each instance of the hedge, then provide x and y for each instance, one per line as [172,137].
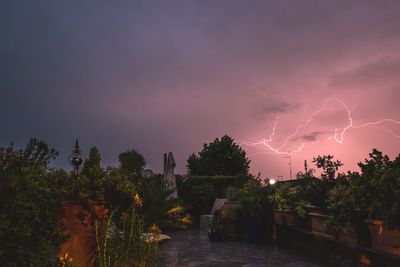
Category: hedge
[199,192]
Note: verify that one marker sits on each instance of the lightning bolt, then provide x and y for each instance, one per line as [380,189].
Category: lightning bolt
[338,136]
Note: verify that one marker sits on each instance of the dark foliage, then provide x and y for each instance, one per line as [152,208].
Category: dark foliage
[199,192]
[94,173]
[373,194]
[30,203]
[221,157]
[160,208]
[132,163]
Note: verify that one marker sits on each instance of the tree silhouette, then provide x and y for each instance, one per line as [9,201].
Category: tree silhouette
[132,163]
[92,166]
[221,157]
[94,172]
[328,165]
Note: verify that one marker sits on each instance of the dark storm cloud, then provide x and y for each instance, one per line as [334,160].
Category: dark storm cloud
[171,75]
[280,107]
[310,137]
[380,73]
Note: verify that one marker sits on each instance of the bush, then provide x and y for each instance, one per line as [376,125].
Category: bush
[232,193]
[289,198]
[375,194]
[315,191]
[160,208]
[254,198]
[30,206]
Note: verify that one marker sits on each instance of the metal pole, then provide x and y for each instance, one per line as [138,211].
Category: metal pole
[290,165]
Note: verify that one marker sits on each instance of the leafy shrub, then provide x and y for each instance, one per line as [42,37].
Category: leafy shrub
[218,183]
[30,206]
[254,197]
[232,193]
[289,198]
[199,199]
[315,191]
[118,188]
[341,206]
[160,208]
[374,194]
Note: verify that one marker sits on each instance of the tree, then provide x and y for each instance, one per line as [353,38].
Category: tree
[221,157]
[94,172]
[328,165]
[374,166]
[30,206]
[36,153]
[193,164]
[378,190]
[91,166]
[132,163]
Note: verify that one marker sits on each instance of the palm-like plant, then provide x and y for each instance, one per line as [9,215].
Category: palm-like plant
[160,208]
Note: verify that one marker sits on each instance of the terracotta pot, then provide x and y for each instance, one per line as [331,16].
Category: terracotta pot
[230,216]
[80,235]
[318,224]
[289,218]
[384,239]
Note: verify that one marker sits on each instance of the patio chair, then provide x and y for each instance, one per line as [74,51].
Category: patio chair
[205,219]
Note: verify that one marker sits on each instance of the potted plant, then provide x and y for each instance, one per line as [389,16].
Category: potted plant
[371,203]
[315,191]
[255,208]
[288,205]
[230,214]
[382,180]
[215,230]
[344,218]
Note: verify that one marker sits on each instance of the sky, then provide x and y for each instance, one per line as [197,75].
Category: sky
[161,76]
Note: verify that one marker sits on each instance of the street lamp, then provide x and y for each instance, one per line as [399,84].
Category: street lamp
[76,157]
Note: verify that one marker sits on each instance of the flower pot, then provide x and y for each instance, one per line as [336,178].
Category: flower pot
[80,235]
[230,217]
[289,218]
[384,239]
[215,235]
[254,229]
[318,224]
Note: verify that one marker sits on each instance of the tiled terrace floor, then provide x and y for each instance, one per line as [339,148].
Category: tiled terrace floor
[192,248]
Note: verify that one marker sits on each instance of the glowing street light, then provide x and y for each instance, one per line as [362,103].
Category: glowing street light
[76,157]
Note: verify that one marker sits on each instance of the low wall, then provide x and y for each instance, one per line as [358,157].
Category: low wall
[81,236]
[331,250]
